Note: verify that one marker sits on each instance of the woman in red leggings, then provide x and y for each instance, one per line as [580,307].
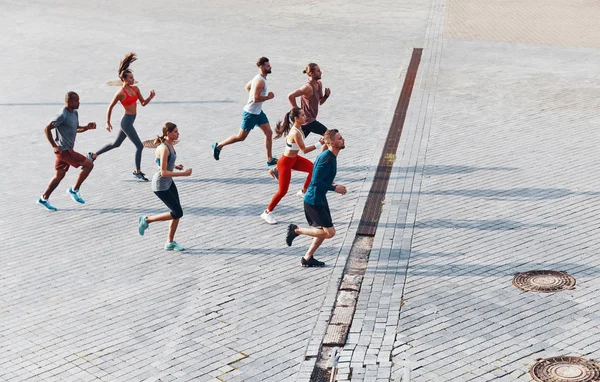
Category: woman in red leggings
[291,128]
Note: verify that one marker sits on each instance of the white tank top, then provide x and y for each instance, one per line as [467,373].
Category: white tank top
[293,146]
[255,107]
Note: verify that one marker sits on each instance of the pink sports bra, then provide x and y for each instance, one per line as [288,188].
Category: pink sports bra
[129,99]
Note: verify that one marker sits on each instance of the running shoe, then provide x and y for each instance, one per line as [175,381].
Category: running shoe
[142,225]
[140,176]
[216,150]
[312,262]
[173,246]
[75,195]
[291,234]
[272,162]
[91,157]
[46,204]
[274,173]
[268,217]
[300,194]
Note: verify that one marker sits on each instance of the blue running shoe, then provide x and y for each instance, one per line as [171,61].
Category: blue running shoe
[274,173]
[140,176]
[173,246]
[272,162]
[75,195]
[142,225]
[216,150]
[46,204]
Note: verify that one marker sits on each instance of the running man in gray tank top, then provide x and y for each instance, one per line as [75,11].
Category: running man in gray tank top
[67,126]
[164,186]
[312,96]
[252,115]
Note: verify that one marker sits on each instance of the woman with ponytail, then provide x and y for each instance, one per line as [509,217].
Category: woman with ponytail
[128,95]
[164,186]
[291,129]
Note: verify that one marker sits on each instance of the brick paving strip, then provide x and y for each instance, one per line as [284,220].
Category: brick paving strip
[349,288]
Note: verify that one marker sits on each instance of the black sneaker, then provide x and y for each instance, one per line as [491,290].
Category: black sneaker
[140,176]
[272,162]
[312,262]
[216,150]
[91,157]
[291,234]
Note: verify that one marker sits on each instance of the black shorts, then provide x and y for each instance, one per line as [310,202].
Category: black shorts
[314,127]
[318,216]
[170,198]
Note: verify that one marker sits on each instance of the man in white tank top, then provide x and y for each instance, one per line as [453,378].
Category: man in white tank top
[252,115]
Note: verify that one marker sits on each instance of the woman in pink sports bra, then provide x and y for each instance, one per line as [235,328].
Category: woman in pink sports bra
[128,95]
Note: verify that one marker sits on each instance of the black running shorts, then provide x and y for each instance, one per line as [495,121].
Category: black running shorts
[314,127]
[318,216]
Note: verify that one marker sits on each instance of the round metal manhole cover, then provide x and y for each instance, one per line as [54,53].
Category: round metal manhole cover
[565,369]
[544,281]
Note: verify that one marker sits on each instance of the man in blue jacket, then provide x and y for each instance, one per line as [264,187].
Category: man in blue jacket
[316,208]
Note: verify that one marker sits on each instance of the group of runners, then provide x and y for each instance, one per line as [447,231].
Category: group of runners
[297,124]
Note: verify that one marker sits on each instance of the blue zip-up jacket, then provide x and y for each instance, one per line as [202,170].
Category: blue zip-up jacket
[324,170]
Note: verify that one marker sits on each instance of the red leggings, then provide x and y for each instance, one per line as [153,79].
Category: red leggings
[285,165]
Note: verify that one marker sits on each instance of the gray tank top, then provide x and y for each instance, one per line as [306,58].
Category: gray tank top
[159,182]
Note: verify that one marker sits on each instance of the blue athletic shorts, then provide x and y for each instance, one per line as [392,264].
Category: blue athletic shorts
[249,121]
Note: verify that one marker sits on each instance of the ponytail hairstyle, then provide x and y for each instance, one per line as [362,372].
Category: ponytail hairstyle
[283,127]
[167,128]
[309,68]
[124,65]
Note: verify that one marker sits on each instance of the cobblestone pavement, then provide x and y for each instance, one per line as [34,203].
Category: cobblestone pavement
[494,175]
[83,297]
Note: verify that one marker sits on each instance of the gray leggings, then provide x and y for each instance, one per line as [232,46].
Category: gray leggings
[127,131]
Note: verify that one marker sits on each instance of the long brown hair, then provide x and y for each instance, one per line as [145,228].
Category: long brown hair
[124,65]
[283,127]
[167,128]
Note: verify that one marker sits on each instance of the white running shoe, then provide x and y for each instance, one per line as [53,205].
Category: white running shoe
[269,218]
[300,194]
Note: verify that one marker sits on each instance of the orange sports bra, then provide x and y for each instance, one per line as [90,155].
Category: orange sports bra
[129,99]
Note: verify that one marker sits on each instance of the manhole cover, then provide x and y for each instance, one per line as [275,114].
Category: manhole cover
[565,369]
[544,281]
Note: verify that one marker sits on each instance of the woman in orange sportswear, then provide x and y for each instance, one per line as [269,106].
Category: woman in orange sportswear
[291,129]
[128,95]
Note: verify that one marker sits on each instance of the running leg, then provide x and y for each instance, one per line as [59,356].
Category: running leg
[60,174]
[86,168]
[135,139]
[120,138]
[266,128]
[304,165]
[284,167]
[240,137]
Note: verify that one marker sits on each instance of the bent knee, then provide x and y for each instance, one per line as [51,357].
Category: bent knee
[330,232]
[178,214]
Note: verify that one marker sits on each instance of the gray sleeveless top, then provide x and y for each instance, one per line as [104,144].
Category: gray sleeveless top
[162,183]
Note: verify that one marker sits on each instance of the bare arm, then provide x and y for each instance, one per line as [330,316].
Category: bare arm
[303,91]
[48,132]
[143,101]
[89,126]
[248,86]
[114,101]
[323,98]
[258,87]
[300,143]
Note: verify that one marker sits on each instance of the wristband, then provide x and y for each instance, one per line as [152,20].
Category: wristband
[318,145]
